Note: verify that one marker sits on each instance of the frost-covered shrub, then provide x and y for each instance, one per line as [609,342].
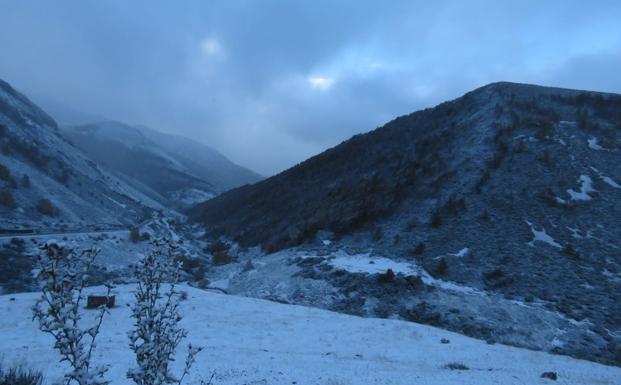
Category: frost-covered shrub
[156,333]
[63,275]
[20,376]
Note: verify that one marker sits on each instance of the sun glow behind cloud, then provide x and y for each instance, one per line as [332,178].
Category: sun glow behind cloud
[320,82]
[211,47]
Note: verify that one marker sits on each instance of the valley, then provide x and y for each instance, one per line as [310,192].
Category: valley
[494,216]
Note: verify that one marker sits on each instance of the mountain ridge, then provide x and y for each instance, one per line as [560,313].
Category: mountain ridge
[511,189]
[180,171]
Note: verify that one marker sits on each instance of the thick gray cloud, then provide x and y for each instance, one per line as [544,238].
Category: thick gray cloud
[269,83]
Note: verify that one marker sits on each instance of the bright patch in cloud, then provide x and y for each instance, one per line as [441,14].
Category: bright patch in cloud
[320,82]
[211,46]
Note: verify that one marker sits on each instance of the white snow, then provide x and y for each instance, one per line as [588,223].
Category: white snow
[609,181]
[367,264]
[250,341]
[118,203]
[541,236]
[326,242]
[586,187]
[364,263]
[461,253]
[560,200]
[593,145]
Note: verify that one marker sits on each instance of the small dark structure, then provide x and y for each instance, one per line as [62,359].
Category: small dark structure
[95,301]
[550,375]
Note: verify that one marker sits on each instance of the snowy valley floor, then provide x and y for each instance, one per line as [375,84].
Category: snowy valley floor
[251,341]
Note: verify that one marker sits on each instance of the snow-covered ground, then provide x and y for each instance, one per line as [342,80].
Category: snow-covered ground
[251,341]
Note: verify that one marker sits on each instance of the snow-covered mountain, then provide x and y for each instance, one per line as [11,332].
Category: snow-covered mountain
[250,341]
[512,190]
[172,169]
[47,183]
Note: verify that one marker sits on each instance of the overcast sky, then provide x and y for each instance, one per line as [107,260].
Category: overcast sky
[270,83]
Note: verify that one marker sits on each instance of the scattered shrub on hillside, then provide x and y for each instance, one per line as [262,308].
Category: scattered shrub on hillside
[519,147]
[45,207]
[436,219]
[269,248]
[20,376]
[5,173]
[31,152]
[419,249]
[454,205]
[494,274]
[248,266]
[498,110]
[6,199]
[499,155]
[25,181]
[6,149]
[3,129]
[216,246]
[134,235]
[396,239]
[220,253]
[199,273]
[145,236]
[377,234]
[569,250]
[387,277]
[497,278]
[545,129]
[442,267]
[583,119]
[63,174]
[188,263]
[221,257]
[546,158]
[485,216]
[482,181]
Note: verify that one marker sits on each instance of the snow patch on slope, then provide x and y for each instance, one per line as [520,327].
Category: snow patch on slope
[586,187]
[541,236]
[367,264]
[609,181]
[594,145]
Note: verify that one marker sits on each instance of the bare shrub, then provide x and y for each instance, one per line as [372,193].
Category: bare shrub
[62,275]
[156,332]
